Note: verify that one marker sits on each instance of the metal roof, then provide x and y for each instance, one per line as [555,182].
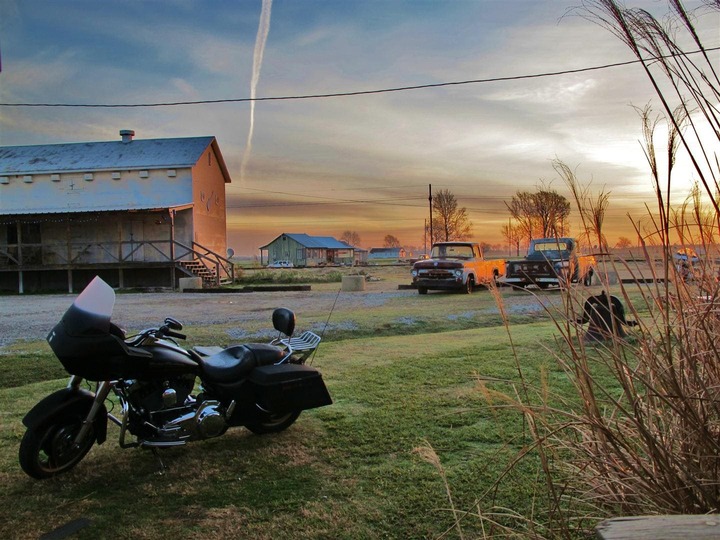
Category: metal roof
[317,242]
[105,156]
[73,169]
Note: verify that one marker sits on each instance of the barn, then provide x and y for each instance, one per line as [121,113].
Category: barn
[138,213]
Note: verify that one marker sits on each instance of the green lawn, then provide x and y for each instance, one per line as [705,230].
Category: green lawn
[404,380]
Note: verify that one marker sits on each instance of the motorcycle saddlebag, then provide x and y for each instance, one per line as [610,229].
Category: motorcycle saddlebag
[289,387]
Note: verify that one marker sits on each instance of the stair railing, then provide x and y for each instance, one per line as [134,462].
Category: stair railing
[218,265]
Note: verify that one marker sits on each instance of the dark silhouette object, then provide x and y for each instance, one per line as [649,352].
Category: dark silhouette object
[606,316]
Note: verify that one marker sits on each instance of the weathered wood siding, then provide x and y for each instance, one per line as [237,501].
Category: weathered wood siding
[209,214]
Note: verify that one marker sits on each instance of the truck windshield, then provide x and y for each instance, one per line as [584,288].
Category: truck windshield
[452,252]
[552,249]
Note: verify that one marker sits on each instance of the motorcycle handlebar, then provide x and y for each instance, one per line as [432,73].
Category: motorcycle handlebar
[165,331]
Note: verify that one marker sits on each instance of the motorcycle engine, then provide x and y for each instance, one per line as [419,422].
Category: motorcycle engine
[209,420]
[174,413]
[152,396]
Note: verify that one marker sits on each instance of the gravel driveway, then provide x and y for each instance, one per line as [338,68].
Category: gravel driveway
[30,317]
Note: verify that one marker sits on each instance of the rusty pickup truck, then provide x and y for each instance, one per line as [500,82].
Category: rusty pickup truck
[550,262]
[455,266]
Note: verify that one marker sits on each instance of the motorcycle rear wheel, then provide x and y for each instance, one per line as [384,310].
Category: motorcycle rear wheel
[49,449]
[271,423]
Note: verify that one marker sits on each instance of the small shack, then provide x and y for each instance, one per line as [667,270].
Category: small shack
[305,250]
[392,253]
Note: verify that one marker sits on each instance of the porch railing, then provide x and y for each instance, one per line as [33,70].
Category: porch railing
[126,253]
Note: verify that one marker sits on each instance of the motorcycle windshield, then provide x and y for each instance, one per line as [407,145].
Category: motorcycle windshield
[91,311]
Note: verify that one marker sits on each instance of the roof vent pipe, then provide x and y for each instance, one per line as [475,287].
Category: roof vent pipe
[127,135]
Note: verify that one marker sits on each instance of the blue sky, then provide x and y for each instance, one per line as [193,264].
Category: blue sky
[358,163]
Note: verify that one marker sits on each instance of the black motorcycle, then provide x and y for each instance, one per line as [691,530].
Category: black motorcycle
[263,387]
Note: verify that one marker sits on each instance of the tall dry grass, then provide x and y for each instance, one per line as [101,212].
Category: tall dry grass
[640,433]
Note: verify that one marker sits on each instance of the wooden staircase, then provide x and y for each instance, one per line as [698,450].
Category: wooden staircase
[198,261]
[196,268]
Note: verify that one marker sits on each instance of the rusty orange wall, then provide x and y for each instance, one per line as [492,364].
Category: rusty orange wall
[209,214]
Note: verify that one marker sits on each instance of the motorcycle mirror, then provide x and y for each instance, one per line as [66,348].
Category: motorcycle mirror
[284,321]
[173,324]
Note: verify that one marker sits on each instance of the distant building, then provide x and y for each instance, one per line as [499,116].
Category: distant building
[138,213]
[387,253]
[306,250]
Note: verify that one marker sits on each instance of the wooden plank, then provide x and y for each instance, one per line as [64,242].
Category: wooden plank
[703,527]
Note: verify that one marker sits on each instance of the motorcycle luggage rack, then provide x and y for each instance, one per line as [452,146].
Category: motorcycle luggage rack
[303,345]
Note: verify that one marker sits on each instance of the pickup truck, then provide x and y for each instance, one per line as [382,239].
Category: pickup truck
[455,266]
[550,262]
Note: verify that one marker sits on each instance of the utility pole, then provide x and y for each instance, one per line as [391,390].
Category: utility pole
[430,201]
[425,238]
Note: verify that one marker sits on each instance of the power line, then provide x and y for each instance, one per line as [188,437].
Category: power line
[343,94]
[303,221]
[328,202]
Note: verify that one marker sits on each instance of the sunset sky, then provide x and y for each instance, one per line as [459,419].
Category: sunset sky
[362,163]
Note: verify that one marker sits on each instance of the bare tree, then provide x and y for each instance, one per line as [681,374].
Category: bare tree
[552,210]
[391,241]
[544,213]
[623,242]
[514,235]
[450,222]
[351,238]
[521,208]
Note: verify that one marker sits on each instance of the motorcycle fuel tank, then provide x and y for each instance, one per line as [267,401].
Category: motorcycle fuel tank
[164,362]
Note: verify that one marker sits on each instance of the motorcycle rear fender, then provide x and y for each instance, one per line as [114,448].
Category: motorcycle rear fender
[66,401]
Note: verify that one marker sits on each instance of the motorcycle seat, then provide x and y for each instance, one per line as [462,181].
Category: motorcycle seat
[238,361]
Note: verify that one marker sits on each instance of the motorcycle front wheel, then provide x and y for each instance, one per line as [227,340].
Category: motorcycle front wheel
[271,423]
[49,449]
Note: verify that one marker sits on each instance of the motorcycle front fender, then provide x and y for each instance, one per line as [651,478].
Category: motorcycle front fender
[67,401]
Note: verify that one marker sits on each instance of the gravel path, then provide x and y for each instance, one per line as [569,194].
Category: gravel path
[32,316]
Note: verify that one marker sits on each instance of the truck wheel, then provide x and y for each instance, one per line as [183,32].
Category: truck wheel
[422,290]
[469,285]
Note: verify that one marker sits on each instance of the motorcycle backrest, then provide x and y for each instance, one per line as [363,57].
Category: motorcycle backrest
[284,321]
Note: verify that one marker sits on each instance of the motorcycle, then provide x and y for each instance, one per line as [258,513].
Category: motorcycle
[263,387]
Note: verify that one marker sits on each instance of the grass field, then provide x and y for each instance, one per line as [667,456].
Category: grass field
[408,416]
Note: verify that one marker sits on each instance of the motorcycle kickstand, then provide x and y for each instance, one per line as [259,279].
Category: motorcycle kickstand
[161,464]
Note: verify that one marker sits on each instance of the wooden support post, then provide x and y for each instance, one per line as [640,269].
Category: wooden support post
[172,248]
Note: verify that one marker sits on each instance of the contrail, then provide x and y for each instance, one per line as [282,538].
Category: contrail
[262,34]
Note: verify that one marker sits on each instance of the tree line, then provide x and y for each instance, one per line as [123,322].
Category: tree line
[543,213]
